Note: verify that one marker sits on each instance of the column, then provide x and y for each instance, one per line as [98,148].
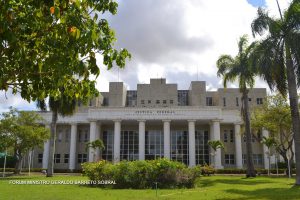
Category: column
[97,137]
[72,161]
[117,140]
[192,150]
[167,137]
[46,151]
[93,128]
[141,140]
[265,133]
[216,136]
[238,146]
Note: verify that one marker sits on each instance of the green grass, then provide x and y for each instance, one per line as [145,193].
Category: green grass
[214,187]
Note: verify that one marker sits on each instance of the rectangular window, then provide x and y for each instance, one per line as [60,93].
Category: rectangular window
[231,136]
[81,158]
[142,101]
[149,101]
[157,102]
[40,158]
[237,101]
[229,159]
[86,136]
[79,136]
[225,136]
[209,101]
[259,101]
[171,101]
[244,159]
[250,99]
[66,158]
[56,158]
[224,101]
[67,138]
[257,159]
[164,101]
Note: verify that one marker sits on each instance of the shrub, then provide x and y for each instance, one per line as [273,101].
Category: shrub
[207,170]
[143,174]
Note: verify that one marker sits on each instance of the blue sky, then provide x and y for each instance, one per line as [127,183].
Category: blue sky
[257,3]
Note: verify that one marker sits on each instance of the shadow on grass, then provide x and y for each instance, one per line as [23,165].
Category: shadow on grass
[292,193]
[241,181]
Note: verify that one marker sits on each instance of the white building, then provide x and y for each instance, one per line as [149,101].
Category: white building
[154,121]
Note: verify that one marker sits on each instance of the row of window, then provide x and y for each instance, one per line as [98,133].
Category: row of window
[209,101]
[229,136]
[157,101]
[81,158]
[230,159]
[83,136]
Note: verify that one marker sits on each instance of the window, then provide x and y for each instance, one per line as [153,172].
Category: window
[154,144]
[81,158]
[108,140]
[259,101]
[164,101]
[183,97]
[202,148]
[231,136]
[257,159]
[79,136]
[244,159]
[67,136]
[105,101]
[56,158]
[171,101]
[157,102]
[85,136]
[224,101]
[129,148]
[142,101]
[237,101]
[66,158]
[225,136]
[40,158]
[250,99]
[149,101]
[59,136]
[180,146]
[229,159]
[209,101]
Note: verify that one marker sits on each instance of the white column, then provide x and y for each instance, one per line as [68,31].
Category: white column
[46,151]
[238,146]
[117,141]
[192,149]
[72,161]
[167,143]
[216,136]
[97,137]
[141,140]
[93,129]
[265,133]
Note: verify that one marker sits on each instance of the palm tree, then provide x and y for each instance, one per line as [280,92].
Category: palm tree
[278,60]
[215,145]
[269,142]
[96,144]
[63,106]
[240,68]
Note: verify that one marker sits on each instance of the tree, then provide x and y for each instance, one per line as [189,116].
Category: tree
[278,60]
[63,106]
[52,44]
[240,68]
[95,145]
[22,132]
[215,145]
[275,117]
[269,142]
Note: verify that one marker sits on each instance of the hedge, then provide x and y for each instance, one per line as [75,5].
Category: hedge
[142,174]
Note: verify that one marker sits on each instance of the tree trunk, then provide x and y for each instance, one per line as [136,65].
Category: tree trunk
[18,164]
[293,96]
[52,144]
[250,165]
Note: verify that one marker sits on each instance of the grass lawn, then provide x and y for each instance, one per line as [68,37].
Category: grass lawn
[214,187]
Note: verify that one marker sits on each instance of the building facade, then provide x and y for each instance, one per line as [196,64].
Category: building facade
[156,120]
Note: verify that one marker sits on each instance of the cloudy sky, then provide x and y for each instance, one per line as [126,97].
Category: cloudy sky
[179,40]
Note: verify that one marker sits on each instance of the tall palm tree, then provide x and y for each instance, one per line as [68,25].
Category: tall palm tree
[240,68]
[215,145]
[95,145]
[63,106]
[269,142]
[278,60]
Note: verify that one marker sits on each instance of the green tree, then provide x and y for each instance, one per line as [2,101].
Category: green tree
[63,106]
[23,132]
[215,145]
[278,59]
[275,116]
[95,145]
[51,44]
[240,68]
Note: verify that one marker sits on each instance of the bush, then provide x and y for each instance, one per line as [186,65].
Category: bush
[143,174]
[207,170]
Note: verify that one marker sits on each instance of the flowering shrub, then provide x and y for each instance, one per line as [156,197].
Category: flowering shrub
[143,174]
